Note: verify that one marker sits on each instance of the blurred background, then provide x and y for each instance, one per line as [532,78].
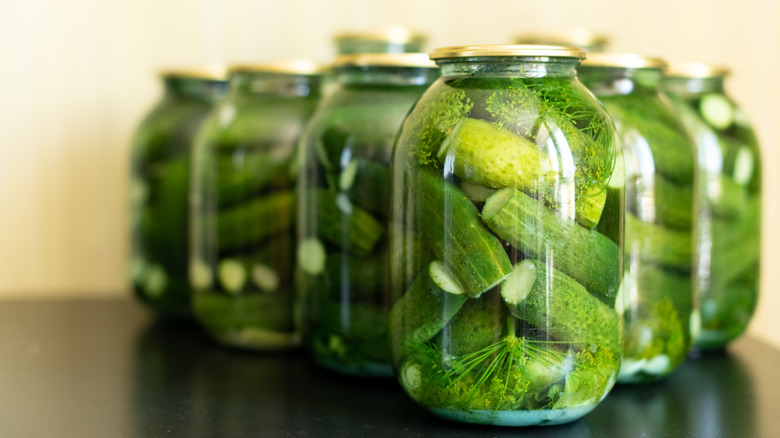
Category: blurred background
[78,76]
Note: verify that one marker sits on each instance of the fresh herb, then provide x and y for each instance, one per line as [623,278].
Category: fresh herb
[513,373]
[438,115]
[662,320]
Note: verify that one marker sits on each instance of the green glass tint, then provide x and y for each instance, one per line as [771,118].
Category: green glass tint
[244,208]
[729,214]
[159,191]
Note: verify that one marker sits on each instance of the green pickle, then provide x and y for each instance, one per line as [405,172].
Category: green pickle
[506,249]
[729,211]
[344,188]
[243,214]
[159,189]
[657,296]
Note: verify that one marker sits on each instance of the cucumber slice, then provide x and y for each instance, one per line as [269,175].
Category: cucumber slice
[476,192]
[716,110]
[311,256]
[516,287]
[156,281]
[443,277]
[347,176]
[264,277]
[344,204]
[200,275]
[232,275]
[744,165]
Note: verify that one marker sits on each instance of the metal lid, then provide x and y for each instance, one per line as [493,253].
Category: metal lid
[579,37]
[285,66]
[390,34]
[696,70]
[420,60]
[516,50]
[207,72]
[622,60]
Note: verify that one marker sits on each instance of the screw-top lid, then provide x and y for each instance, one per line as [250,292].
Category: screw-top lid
[508,50]
[622,60]
[579,37]
[285,66]
[696,70]
[420,60]
[207,72]
[389,34]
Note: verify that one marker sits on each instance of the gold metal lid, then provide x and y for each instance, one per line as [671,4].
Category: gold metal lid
[579,37]
[284,66]
[385,60]
[696,70]
[207,72]
[516,50]
[390,34]
[622,60]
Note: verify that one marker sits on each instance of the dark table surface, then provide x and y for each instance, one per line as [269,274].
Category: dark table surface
[95,368]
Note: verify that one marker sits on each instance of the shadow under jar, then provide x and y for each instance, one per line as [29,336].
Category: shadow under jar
[243,205]
[503,289]
[729,214]
[343,277]
[159,188]
[658,294]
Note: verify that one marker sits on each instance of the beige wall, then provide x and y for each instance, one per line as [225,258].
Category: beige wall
[77,75]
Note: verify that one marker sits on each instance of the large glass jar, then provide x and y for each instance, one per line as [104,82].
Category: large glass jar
[391,39]
[503,287]
[658,292]
[344,202]
[159,188]
[583,38]
[243,205]
[729,215]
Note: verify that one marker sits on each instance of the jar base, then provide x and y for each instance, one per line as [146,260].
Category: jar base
[255,338]
[542,417]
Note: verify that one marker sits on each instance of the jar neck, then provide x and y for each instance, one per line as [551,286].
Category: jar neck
[398,76]
[508,67]
[207,90]
[610,81]
[274,84]
[684,86]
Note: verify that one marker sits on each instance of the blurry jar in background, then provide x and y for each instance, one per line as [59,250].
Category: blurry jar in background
[343,206]
[729,213]
[393,39]
[243,205]
[505,263]
[658,296]
[585,39]
[159,188]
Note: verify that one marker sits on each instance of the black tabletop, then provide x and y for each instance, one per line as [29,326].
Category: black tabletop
[108,369]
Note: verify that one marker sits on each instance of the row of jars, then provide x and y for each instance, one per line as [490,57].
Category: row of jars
[481,227]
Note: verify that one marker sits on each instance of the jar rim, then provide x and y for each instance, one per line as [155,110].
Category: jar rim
[295,66]
[696,70]
[420,60]
[207,72]
[623,60]
[389,34]
[578,36]
[508,50]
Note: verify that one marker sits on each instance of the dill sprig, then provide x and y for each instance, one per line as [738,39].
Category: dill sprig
[438,114]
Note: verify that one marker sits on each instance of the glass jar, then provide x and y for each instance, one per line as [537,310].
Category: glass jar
[243,205]
[657,300]
[585,39]
[159,188]
[729,215]
[503,289]
[392,39]
[344,189]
